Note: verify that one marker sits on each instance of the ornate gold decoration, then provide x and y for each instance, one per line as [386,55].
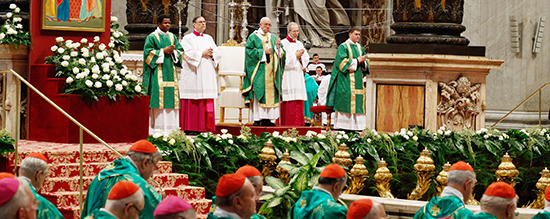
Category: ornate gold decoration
[459,105]
[543,182]
[342,156]
[232,42]
[282,172]
[507,171]
[383,178]
[357,175]
[424,169]
[268,158]
[442,178]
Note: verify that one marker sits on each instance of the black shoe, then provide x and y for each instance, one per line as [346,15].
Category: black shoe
[267,122]
[257,123]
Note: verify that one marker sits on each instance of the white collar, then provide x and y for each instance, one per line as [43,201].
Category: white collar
[28,180]
[450,191]
[223,213]
[108,212]
[159,31]
[547,209]
[321,189]
[131,161]
[350,42]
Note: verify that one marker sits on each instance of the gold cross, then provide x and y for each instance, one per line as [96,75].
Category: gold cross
[435,210]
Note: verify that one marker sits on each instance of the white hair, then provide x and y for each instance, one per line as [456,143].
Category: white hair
[289,26]
[264,18]
[374,211]
[188,214]
[496,204]
[19,200]
[120,204]
[459,177]
[31,165]
[255,180]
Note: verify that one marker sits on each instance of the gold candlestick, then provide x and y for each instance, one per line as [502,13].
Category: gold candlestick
[282,172]
[542,184]
[507,171]
[424,168]
[342,156]
[268,158]
[357,175]
[442,178]
[383,178]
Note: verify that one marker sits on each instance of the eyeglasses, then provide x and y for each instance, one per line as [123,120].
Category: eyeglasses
[137,209]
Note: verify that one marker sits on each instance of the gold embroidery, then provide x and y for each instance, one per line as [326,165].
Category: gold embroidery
[303,203]
[343,63]
[435,210]
[161,88]
[150,57]
[353,90]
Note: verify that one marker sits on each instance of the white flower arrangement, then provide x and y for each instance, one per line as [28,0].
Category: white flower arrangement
[119,41]
[11,32]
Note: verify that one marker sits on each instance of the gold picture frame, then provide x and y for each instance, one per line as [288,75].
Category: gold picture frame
[74,15]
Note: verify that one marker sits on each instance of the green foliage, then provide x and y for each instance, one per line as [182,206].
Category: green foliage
[118,38]
[12,31]
[6,142]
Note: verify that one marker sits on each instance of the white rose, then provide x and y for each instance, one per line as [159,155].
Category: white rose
[124,83]
[113,72]
[9,14]
[69,42]
[116,34]
[79,76]
[96,39]
[111,44]
[138,88]
[406,137]
[116,77]
[157,135]
[172,141]
[90,44]
[118,87]
[60,50]
[11,31]
[64,63]
[97,84]
[17,10]
[105,65]
[448,132]
[92,60]
[486,136]
[369,140]
[123,71]
[111,39]
[111,63]
[114,19]
[108,59]
[17,19]
[13,6]
[76,70]
[415,138]
[54,48]
[83,50]
[81,61]
[66,57]
[95,76]
[106,69]
[84,40]
[59,39]
[224,131]
[230,141]
[500,138]
[69,80]
[128,76]
[89,83]
[19,26]
[118,60]
[109,83]
[99,55]
[85,54]
[275,134]
[105,77]
[102,47]
[2,35]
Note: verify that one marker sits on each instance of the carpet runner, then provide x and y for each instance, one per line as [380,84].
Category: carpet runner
[62,186]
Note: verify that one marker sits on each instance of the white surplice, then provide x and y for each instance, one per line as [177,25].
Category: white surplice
[294,86]
[198,75]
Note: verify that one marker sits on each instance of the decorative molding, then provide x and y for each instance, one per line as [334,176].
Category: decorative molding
[459,105]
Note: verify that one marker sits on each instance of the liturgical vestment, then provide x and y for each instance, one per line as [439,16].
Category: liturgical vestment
[100,214]
[46,209]
[294,87]
[443,207]
[317,204]
[543,215]
[161,81]
[122,169]
[198,83]
[481,215]
[346,92]
[263,75]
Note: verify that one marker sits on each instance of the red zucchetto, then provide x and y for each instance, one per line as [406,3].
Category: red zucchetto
[248,171]
[500,189]
[143,146]
[359,209]
[39,156]
[461,165]
[6,175]
[122,189]
[334,171]
[229,184]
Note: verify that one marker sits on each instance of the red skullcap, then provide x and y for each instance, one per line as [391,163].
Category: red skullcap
[8,188]
[359,209]
[248,171]
[547,194]
[172,204]
[122,189]
[500,189]
[6,175]
[461,165]
[334,171]
[143,146]
[39,156]
[229,184]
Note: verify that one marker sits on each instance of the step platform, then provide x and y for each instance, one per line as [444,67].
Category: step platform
[258,130]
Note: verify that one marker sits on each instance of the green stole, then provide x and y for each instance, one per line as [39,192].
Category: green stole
[484,215]
[46,209]
[346,92]
[98,214]
[542,215]
[263,80]
[161,80]
[121,169]
[311,88]
[317,204]
[443,207]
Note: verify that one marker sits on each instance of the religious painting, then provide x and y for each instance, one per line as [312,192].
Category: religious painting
[74,15]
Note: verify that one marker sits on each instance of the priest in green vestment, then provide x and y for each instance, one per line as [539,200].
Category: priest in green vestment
[264,66]
[545,214]
[498,202]
[161,54]
[125,200]
[346,92]
[138,166]
[34,169]
[238,206]
[461,180]
[321,201]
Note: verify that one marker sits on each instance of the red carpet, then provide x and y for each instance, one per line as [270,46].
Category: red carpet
[62,186]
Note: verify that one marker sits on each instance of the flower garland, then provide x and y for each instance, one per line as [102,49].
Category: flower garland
[12,31]
[93,70]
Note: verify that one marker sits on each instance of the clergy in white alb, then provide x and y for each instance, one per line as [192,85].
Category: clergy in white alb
[294,87]
[198,86]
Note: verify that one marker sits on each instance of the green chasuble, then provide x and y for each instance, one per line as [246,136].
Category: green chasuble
[443,207]
[317,204]
[46,209]
[346,92]
[262,80]
[212,216]
[121,169]
[160,80]
[311,88]
[98,214]
[542,215]
[482,215]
